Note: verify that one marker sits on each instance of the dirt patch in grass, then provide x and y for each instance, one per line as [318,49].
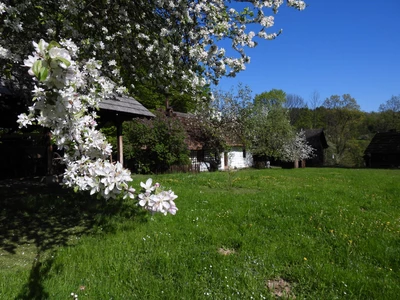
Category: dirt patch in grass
[280,288]
[226,251]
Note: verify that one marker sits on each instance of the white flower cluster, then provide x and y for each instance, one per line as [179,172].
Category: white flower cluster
[100,176]
[65,100]
[155,199]
[64,97]
[297,148]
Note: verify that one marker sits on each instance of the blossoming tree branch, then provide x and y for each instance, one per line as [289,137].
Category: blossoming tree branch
[86,50]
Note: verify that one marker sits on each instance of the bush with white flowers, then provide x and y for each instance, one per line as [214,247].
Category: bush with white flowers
[297,148]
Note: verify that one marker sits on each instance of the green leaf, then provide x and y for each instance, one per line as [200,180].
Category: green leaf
[53,44]
[44,72]
[36,68]
[79,114]
[64,60]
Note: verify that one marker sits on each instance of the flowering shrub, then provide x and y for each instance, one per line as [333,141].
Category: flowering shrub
[297,148]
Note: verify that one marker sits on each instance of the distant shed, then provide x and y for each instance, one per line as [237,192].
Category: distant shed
[383,151]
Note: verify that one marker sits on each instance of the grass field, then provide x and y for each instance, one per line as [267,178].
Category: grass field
[251,234]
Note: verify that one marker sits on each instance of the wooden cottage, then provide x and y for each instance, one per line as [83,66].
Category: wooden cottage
[203,158]
[383,151]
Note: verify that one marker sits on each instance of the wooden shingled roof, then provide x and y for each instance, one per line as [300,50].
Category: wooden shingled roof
[385,143]
[124,105]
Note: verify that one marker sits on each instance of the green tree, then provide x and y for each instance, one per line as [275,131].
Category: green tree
[268,127]
[342,115]
[273,98]
[314,104]
[375,122]
[152,97]
[390,113]
[234,108]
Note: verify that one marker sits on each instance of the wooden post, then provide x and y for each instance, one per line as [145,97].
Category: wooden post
[120,147]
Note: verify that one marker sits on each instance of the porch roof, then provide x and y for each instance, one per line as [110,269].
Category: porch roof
[125,105]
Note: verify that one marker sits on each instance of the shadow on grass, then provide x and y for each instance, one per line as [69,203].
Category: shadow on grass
[33,289]
[47,217]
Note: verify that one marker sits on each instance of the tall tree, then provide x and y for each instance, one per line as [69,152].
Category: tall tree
[390,113]
[234,108]
[269,126]
[342,114]
[164,43]
[298,112]
[294,101]
[315,102]
[272,98]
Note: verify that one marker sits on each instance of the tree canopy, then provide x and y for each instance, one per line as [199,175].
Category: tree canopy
[269,124]
[163,43]
[390,112]
[342,112]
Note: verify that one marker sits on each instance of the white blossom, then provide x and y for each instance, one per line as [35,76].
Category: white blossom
[24,120]
[297,148]
[4,53]
[2,8]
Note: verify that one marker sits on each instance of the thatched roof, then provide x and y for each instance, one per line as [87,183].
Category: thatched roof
[190,124]
[384,143]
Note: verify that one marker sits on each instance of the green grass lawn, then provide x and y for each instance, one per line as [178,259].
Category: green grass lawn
[251,234]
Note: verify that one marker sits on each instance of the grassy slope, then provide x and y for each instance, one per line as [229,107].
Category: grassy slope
[329,233]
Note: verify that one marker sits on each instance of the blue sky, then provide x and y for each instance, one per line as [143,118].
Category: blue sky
[334,47]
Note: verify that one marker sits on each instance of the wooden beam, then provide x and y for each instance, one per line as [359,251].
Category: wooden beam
[120,146]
